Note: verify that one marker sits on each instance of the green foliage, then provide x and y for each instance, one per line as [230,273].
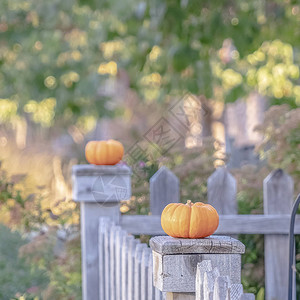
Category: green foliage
[17,276]
[56,57]
[192,166]
[280,146]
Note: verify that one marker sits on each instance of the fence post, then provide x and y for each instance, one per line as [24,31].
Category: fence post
[99,189]
[278,200]
[164,189]
[221,192]
[175,262]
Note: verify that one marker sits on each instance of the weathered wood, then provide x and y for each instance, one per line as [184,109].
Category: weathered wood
[180,296]
[100,184]
[229,224]
[144,273]
[120,237]
[164,189]
[248,296]
[278,199]
[235,291]
[86,180]
[107,260]
[221,192]
[131,267]
[90,214]
[202,267]
[221,287]
[126,242]
[159,295]
[212,244]
[208,285]
[175,278]
[104,224]
[112,248]
[137,270]
[151,288]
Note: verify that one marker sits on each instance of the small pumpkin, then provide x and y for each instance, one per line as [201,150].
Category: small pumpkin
[190,220]
[104,152]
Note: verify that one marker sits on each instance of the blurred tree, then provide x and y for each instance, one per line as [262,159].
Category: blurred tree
[57,57]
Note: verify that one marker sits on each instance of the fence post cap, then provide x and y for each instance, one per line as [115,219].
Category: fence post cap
[210,245]
[101,184]
[93,170]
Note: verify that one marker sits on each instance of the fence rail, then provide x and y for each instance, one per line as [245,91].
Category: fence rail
[229,224]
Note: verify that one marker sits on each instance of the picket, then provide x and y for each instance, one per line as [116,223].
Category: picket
[235,291]
[107,260]
[164,189]
[221,192]
[127,240]
[144,273]
[131,268]
[120,237]
[151,288]
[138,270]
[278,199]
[103,227]
[113,232]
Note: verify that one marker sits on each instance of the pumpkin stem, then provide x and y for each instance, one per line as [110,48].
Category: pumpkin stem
[189,203]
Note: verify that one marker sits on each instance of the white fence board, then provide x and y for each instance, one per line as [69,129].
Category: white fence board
[113,233]
[164,189]
[131,267]
[144,273]
[128,239]
[278,199]
[138,270]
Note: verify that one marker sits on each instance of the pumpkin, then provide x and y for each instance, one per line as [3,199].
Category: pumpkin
[104,152]
[190,220]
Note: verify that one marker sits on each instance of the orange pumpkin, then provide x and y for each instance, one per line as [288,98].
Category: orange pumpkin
[104,152]
[190,220]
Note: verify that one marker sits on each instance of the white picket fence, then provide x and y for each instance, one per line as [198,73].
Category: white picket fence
[125,265]
[126,270]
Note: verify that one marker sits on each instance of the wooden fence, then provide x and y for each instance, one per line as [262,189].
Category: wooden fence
[125,265]
[99,200]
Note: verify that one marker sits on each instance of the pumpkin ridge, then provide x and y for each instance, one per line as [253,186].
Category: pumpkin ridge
[179,205]
[190,216]
[95,150]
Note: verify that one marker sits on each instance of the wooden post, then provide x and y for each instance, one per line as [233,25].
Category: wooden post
[278,200]
[221,192]
[99,189]
[175,262]
[164,189]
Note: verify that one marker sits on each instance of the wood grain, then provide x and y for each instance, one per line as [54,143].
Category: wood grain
[144,273]
[164,189]
[101,183]
[131,267]
[229,224]
[177,273]
[213,244]
[221,192]
[138,270]
[90,214]
[278,199]
[104,224]
[126,242]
